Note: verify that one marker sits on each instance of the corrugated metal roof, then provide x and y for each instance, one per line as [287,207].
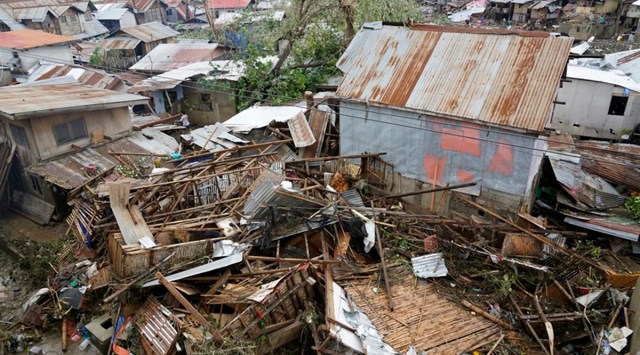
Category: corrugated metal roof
[111,14]
[261,116]
[26,39]
[35,14]
[95,78]
[69,171]
[430,265]
[584,187]
[614,77]
[92,29]
[168,56]
[138,5]
[150,32]
[22,101]
[111,43]
[228,4]
[9,21]
[499,77]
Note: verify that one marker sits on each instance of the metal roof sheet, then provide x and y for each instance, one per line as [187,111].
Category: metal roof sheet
[92,29]
[150,32]
[95,78]
[430,265]
[8,20]
[26,39]
[35,14]
[108,44]
[614,77]
[228,4]
[22,101]
[500,77]
[261,116]
[167,56]
[111,14]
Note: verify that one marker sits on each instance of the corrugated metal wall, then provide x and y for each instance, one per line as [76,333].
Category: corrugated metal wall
[461,151]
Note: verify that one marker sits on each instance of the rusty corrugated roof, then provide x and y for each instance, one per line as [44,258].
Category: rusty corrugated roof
[26,39]
[111,43]
[23,101]
[92,77]
[499,77]
[150,32]
[228,4]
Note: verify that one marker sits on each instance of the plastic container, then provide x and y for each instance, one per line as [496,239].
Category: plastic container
[84,345]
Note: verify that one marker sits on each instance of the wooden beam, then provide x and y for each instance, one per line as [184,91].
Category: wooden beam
[186,304]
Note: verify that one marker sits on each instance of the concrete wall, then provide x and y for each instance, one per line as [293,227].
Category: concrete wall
[440,151]
[221,107]
[586,110]
[113,122]
[31,57]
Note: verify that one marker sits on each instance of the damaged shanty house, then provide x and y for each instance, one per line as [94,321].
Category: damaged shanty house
[453,105]
[66,135]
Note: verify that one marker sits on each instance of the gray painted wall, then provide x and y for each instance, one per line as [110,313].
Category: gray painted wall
[412,141]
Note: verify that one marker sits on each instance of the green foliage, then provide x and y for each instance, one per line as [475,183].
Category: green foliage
[632,205]
[387,10]
[97,57]
[505,284]
[314,32]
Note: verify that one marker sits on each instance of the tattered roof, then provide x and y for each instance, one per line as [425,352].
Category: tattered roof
[168,56]
[500,77]
[23,101]
[224,70]
[150,32]
[26,39]
[228,4]
[69,171]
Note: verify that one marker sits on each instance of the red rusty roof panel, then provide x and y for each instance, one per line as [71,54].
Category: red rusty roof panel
[228,4]
[494,76]
[26,39]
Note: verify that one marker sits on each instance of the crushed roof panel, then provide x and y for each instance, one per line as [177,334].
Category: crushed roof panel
[25,39]
[165,57]
[499,77]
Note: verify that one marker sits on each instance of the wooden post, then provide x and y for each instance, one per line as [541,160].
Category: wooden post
[383,264]
[634,309]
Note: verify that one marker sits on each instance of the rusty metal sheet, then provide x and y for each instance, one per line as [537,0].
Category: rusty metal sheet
[503,78]
[150,32]
[26,39]
[24,101]
[228,4]
[124,43]
[300,131]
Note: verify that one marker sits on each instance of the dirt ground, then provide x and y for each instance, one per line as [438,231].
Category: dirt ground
[17,278]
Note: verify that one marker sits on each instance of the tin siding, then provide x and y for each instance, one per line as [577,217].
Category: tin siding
[415,145]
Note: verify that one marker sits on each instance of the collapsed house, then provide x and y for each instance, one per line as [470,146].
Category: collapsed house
[65,135]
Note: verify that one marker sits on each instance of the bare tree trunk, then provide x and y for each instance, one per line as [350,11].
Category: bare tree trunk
[348,9]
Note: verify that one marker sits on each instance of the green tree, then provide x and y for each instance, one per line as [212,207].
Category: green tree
[304,46]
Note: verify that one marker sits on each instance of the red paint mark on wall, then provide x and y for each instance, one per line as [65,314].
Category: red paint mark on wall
[465,140]
[464,176]
[434,168]
[502,162]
